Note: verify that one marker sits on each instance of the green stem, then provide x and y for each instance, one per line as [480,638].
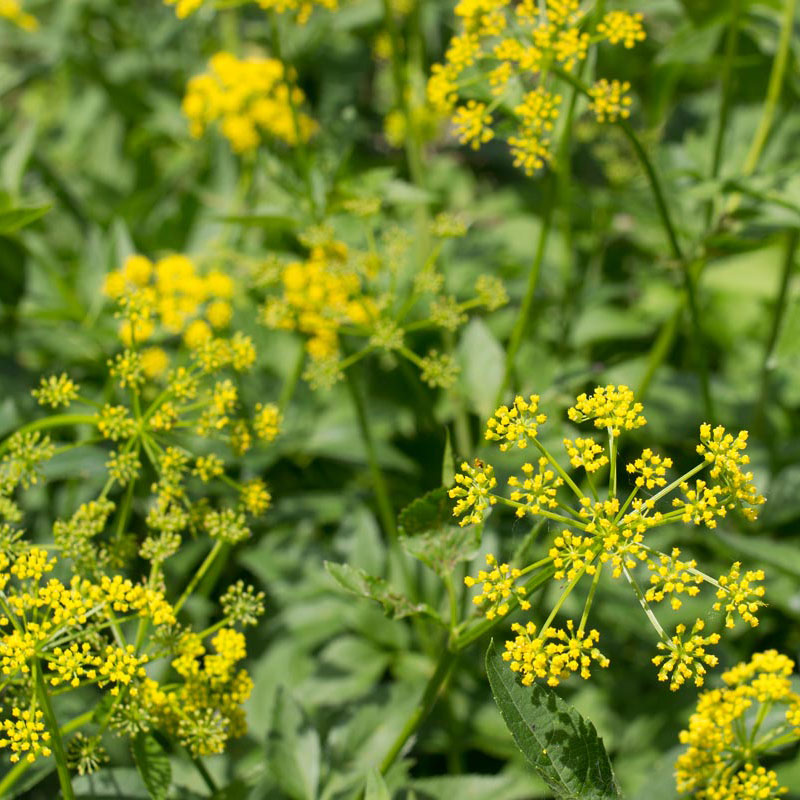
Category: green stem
[521,323]
[56,421]
[645,605]
[444,665]
[561,600]
[559,469]
[773,90]
[678,481]
[590,599]
[777,320]
[725,103]
[289,386]
[59,754]
[474,632]
[422,709]
[198,576]
[660,349]
[690,273]
[453,600]
[612,464]
[385,509]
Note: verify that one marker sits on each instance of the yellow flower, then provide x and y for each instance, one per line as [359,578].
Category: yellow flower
[250,98]
[473,491]
[516,425]
[498,587]
[611,407]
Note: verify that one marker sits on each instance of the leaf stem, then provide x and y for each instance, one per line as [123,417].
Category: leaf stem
[198,576]
[59,754]
[527,301]
[773,89]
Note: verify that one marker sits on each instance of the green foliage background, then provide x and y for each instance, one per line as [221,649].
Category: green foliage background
[90,126]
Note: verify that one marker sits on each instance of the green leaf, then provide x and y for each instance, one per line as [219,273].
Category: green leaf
[481,358]
[376,787]
[264,217]
[763,551]
[560,744]
[363,584]
[293,749]
[448,462]
[427,534]
[12,219]
[153,765]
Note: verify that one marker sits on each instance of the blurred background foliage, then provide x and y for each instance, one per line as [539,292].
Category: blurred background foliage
[93,143]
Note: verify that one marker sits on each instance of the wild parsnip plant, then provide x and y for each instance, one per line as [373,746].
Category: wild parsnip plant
[278,282]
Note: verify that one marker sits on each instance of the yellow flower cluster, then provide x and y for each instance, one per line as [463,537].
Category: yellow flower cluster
[610,101]
[554,654]
[173,294]
[252,99]
[700,505]
[319,296]
[672,577]
[301,8]
[738,595]
[721,758]
[205,710]
[498,587]
[585,453]
[650,469]
[11,10]
[725,453]
[516,425]
[37,617]
[603,532]
[686,658]
[25,735]
[473,492]
[535,491]
[506,55]
[611,407]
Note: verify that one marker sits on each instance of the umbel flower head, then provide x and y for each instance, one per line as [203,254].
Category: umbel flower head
[504,64]
[371,289]
[730,731]
[301,9]
[598,532]
[252,99]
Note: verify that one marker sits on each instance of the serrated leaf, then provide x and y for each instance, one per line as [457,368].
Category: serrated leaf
[363,584]
[153,765]
[293,749]
[426,533]
[12,219]
[431,512]
[376,787]
[559,743]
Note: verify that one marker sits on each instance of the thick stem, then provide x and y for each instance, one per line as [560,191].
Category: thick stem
[198,576]
[777,320]
[612,464]
[725,102]
[521,323]
[385,509]
[660,349]
[59,754]
[56,421]
[773,90]
[422,709]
